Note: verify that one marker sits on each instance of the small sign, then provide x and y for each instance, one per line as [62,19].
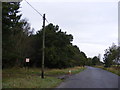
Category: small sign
[27,59]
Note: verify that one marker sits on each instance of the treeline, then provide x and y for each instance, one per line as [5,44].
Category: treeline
[19,43]
[15,35]
[59,51]
[112,56]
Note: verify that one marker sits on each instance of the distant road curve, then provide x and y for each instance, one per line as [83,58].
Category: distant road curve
[91,78]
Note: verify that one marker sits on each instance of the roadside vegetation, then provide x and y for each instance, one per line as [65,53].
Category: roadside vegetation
[112,59]
[30,78]
[114,69]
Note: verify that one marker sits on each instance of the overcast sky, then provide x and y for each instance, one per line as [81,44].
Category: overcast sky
[93,24]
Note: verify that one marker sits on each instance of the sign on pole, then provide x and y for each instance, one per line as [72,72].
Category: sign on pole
[27,59]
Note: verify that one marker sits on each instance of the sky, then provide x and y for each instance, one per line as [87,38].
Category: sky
[93,23]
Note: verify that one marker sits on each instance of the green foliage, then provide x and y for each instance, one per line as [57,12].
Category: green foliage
[14,35]
[9,22]
[59,51]
[19,43]
[89,62]
[112,56]
[95,61]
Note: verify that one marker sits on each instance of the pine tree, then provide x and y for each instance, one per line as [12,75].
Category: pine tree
[10,20]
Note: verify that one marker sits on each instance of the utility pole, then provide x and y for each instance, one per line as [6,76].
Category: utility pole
[43,52]
[99,56]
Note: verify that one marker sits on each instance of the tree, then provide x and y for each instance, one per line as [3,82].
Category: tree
[15,33]
[95,60]
[59,51]
[111,55]
[10,19]
[83,58]
[89,61]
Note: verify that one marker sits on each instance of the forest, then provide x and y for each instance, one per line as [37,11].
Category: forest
[19,42]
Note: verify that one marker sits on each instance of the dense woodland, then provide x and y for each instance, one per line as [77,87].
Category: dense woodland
[19,43]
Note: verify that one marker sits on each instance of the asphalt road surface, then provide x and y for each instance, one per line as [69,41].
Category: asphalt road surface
[91,78]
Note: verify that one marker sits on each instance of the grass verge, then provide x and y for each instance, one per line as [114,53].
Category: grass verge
[30,78]
[113,69]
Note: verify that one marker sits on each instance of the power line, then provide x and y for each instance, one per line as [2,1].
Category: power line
[34,8]
[36,11]
[46,20]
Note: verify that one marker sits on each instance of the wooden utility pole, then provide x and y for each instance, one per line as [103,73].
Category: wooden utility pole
[42,74]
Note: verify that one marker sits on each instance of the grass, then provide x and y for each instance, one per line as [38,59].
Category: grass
[55,72]
[114,69]
[31,82]
[30,78]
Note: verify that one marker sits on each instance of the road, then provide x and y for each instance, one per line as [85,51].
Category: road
[91,78]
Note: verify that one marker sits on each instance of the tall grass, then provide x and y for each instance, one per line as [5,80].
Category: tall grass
[31,78]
